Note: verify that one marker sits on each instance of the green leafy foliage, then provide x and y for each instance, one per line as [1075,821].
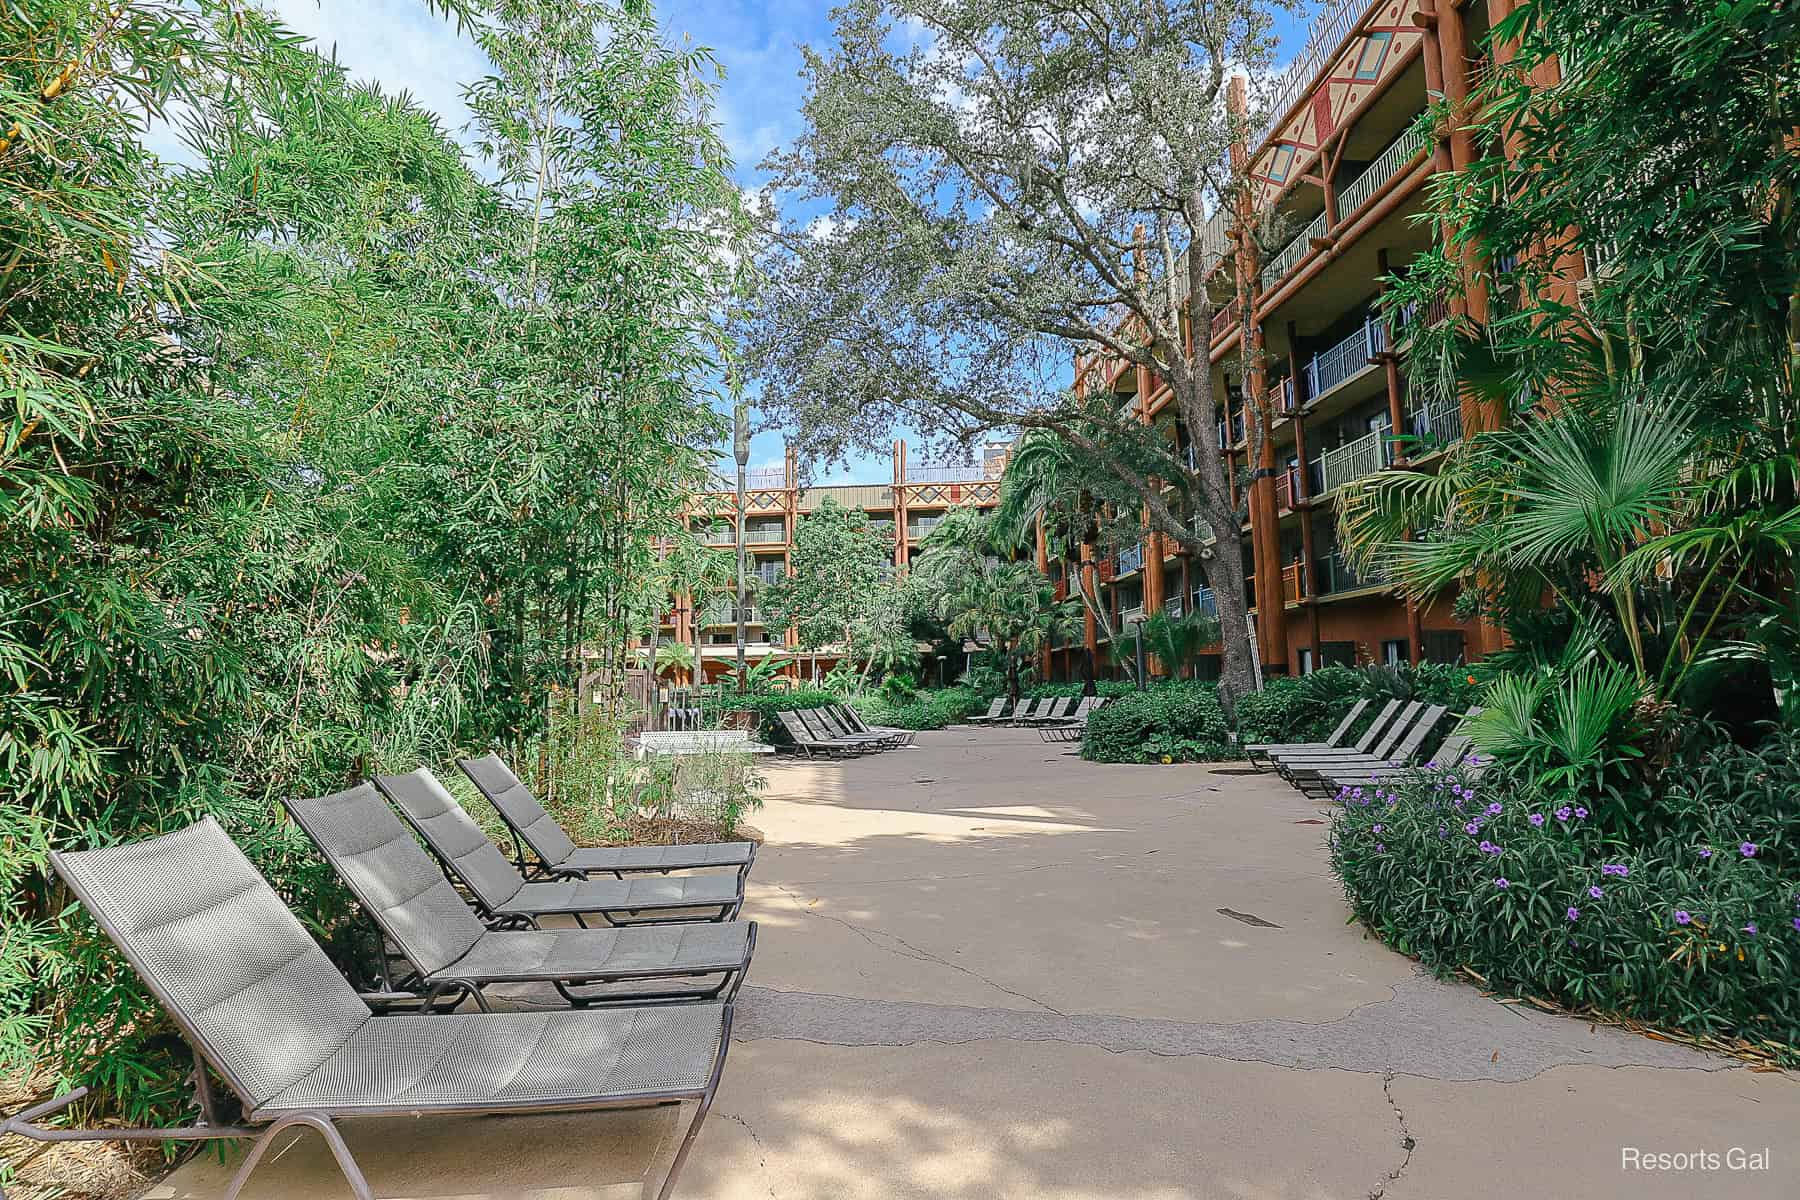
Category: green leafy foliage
[325,451]
[1168,722]
[1690,918]
[931,709]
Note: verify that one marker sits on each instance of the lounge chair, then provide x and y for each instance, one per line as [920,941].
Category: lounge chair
[1393,719]
[556,851]
[260,1004]
[825,725]
[994,712]
[1397,750]
[451,953]
[1363,742]
[506,897]
[1262,752]
[1452,751]
[1072,727]
[1028,710]
[1058,710]
[852,720]
[804,741]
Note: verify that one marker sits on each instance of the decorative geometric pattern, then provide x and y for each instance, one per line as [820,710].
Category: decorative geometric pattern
[1376,52]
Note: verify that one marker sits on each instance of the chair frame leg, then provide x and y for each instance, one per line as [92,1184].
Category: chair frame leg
[326,1129]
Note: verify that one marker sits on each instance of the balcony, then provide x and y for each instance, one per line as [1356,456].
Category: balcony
[1131,559]
[1387,164]
[765,535]
[1205,603]
[1131,616]
[1410,316]
[1285,396]
[1353,460]
[1438,422]
[1287,489]
[1289,256]
[1231,432]
[1337,575]
[924,525]
[725,614]
[1214,240]
[768,573]
[1330,368]
[763,479]
[1174,606]
[1293,583]
[949,473]
[1224,319]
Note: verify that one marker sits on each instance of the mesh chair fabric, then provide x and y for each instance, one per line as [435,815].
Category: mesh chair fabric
[456,838]
[521,809]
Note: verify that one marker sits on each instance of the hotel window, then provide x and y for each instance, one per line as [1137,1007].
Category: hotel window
[1393,652]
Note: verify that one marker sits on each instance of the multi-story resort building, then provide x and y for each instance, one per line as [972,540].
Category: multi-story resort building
[904,510]
[1340,173]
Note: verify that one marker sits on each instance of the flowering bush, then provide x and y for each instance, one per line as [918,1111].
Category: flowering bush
[1691,919]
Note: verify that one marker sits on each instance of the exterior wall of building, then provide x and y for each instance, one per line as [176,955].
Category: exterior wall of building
[909,505]
[1339,176]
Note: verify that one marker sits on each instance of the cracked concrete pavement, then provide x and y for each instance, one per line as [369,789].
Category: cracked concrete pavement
[988,969]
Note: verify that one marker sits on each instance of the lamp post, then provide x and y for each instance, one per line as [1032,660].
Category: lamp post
[943,663]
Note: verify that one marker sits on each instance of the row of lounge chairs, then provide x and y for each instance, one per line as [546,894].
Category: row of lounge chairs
[1390,743]
[650,989]
[837,731]
[1056,711]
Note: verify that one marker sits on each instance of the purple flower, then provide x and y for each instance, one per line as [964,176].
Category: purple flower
[1750,929]
[1501,882]
[1706,852]
[1489,848]
[1494,810]
[1574,913]
[1380,848]
[1619,869]
[1473,827]
[1536,819]
[1683,916]
[1375,829]
[1747,849]
[1562,814]
[1356,792]
[1797,922]
[1580,813]
[1432,765]
[1456,803]
[1596,892]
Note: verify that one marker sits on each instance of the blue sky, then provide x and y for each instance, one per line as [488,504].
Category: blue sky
[405,47]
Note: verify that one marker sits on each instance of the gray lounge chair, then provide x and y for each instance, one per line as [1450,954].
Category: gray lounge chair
[506,897]
[1363,742]
[827,726]
[262,1006]
[852,720]
[994,713]
[1058,710]
[555,850]
[1028,710]
[451,953]
[1262,752]
[1452,751]
[803,740]
[1072,727]
[1397,750]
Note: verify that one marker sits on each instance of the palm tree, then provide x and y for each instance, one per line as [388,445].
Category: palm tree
[1176,643]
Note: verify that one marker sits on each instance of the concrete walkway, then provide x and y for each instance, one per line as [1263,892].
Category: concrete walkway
[988,969]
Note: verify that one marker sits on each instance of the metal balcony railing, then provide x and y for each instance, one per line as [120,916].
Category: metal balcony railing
[1386,165]
[948,473]
[1223,319]
[1289,256]
[769,573]
[765,534]
[1438,421]
[922,526]
[1336,575]
[1332,27]
[1131,616]
[1285,396]
[1353,460]
[1329,368]
[1205,603]
[726,614]
[1131,559]
[1287,488]
[1409,317]
[762,479]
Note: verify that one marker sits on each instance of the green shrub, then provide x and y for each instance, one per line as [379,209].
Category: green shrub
[1169,722]
[1689,919]
[767,704]
[1103,687]
[932,709]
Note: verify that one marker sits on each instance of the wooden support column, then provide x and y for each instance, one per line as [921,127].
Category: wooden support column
[1390,365]
[1309,555]
[1090,627]
[1043,566]
[900,543]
